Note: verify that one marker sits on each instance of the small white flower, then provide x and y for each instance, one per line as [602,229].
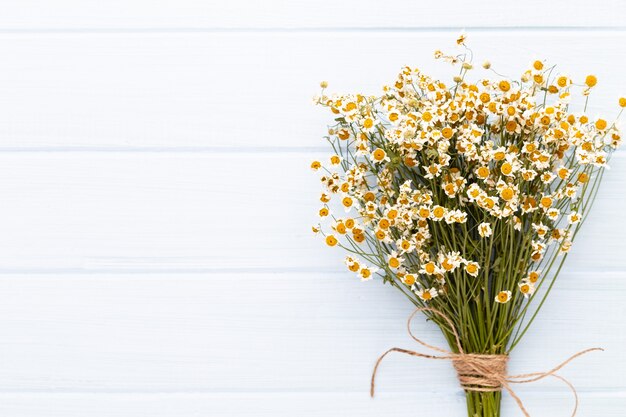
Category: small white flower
[574,218]
[553,213]
[425,294]
[503,297]
[484,229]
[526,288]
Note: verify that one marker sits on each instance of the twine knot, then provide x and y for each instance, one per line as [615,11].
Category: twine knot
[481,372]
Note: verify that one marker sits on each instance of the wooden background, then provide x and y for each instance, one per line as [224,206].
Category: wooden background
[155,204]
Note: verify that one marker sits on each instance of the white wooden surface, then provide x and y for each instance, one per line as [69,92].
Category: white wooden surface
[155,255]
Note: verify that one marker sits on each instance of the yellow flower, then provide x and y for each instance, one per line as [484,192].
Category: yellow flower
[591,81]
[574,218]
[408,279]
[503,297]
[472,268]
[315,165]
[366,273]
[504,85]
[426,295]
[526,288]
[484,229]
[430,268]
[507,194]
[379,155]
[331,240]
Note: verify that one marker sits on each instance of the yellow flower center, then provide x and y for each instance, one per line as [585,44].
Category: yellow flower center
[507,194]
[447,132]
[591,80]
[379,154]
[511,125]
[409,279]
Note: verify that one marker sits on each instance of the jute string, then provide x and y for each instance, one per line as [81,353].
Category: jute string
[478,372]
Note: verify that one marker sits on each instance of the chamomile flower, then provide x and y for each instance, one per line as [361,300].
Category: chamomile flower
[379,155]
[394,260]
[409,279]
[503,297]
[553,213]
[425,294]
[472,268]
[533,276]
[420,168]
[526,288]
[484,229]
[574,218]
[367,273]
[335,160]
[430,268]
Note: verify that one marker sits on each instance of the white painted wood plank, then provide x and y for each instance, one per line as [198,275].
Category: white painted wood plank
[246,90]
[170,14]
[269,333]
[292,404]
[202,211]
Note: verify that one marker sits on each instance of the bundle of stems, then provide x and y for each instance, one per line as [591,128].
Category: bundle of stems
[465,197]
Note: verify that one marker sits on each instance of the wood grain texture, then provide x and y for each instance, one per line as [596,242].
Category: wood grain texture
[155,252]
[270,333]
[162,91]
[203,211]
[290,404]
[244,14]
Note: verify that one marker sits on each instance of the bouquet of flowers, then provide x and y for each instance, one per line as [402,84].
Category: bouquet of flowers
[466,197]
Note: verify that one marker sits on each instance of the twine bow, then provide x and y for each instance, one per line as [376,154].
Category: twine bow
[478,372]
